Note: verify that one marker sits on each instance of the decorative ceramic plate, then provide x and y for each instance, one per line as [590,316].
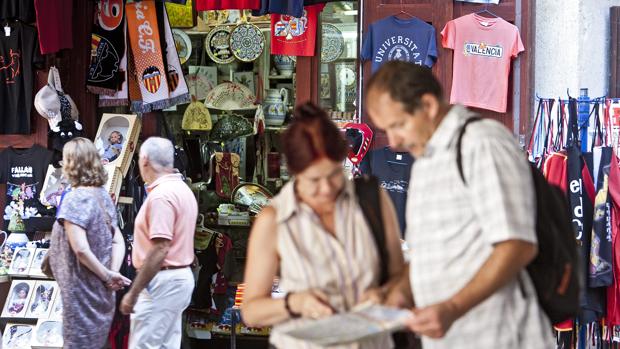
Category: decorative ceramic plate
[251,195]
[247,42]
[332,44]
[217,45]
[230,96]
[183,44]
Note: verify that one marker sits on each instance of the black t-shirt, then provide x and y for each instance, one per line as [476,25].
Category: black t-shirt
[17,9]
[393,170]
[23,171]
[18,53]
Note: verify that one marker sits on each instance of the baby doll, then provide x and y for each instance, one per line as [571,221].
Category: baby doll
[113,150]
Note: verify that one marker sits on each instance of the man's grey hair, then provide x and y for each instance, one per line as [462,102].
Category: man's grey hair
[159,151]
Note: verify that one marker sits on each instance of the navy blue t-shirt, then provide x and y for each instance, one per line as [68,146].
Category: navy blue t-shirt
[392,38]
[293,8]
[393,170]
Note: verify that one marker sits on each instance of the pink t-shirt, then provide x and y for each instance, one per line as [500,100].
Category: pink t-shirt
[483,49]
[169,212]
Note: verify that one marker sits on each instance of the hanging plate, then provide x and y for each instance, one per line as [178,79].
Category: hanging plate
[183,44]
[247,42]
[217,45]
[332,44]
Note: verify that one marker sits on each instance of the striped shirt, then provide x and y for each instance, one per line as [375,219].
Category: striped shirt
[343,265]
[451,229]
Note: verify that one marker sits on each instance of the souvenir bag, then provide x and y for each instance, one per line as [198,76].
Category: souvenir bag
[226,173]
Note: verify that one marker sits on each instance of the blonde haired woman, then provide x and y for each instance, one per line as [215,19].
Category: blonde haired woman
[87,249]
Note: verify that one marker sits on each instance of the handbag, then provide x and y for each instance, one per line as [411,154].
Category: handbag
[226,173]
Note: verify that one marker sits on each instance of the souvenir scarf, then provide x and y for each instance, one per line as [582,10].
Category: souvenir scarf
[179,92]
[148,70]
[121,97]
[581,195]
[613,292]
[601,271]
[107,48]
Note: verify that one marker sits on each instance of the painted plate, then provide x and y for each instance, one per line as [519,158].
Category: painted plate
[217,45]
[332,44]
[183,44]
[230,96]
[247,42]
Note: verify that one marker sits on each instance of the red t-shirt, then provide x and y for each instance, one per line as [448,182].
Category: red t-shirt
[483,49]
[292,36]
[207,5]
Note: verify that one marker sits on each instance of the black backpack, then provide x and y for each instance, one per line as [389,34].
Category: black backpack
[368,196]
[556,270]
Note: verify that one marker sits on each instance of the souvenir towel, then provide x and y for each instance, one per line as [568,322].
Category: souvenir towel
[226,173]
[148,70]
[107,48]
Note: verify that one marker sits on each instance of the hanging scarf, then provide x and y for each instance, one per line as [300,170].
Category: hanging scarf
[107,48]
[179,92]
[121,97]
[148,66]
[600,269]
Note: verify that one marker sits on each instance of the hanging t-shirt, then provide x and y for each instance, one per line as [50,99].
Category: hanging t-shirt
[208,5]
[23,171]
[293,8]
[54,21]
[295,36]
[19,51]
[393,169]
[17,9]
[483,49]
[391,38]
[315,2]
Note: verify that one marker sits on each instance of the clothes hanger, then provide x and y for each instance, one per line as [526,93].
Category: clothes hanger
[485,10]
[402,11]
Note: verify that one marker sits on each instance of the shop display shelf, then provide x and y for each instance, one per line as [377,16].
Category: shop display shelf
[281,77]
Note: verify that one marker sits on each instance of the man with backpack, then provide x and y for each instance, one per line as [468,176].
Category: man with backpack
[471,237]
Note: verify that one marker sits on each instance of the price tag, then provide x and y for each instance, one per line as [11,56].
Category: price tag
[7,31]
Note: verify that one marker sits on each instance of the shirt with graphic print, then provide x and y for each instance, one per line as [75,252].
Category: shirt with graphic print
[391,38]
[483,50]
[393,170]
[292,36]
[19,53]
[23,171]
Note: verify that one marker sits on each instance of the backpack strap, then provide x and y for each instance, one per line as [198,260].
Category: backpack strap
[369,199]
[459,143]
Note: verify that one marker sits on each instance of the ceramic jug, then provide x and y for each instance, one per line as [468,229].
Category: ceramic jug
[15,240]
[275,106]
[284,64]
